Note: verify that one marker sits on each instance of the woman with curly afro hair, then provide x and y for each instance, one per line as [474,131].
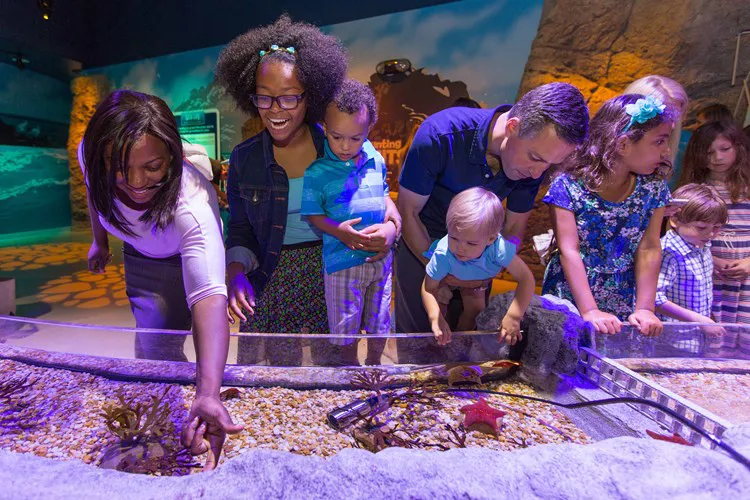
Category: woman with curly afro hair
[285,73]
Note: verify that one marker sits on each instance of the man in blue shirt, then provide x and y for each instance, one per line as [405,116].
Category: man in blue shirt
[505,150]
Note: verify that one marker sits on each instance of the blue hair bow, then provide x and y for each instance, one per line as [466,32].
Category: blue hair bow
[643,110]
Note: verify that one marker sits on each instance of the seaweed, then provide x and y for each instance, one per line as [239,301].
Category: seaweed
[16,415]
[13,387]
[137,422]
[371,380]
[457,436]
[380,436]
[141,429]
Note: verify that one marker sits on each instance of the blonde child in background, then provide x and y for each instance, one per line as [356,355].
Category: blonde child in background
[607,208]
[673,95]
[468,258]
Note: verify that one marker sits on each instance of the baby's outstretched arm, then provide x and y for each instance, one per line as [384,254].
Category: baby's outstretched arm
[431,305]
[510,330]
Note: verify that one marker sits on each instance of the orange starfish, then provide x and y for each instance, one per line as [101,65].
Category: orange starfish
[482,417]
[674,438]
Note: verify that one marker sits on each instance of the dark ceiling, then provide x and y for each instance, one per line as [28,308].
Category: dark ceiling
[103,32]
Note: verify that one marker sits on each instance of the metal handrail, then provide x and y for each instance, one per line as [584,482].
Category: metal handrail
[737,54]
[745,81]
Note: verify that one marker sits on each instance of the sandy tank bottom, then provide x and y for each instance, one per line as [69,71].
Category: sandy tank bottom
[61,417]
[721,386]
[724,394]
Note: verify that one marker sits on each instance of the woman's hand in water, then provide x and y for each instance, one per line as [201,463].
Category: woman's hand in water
[382,238]
[603,322]
[99,256]
[646,322]
[240,292]
[206,429]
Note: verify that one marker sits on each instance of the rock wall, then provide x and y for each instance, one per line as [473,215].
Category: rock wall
[603,45]
[614,468]
[88,91]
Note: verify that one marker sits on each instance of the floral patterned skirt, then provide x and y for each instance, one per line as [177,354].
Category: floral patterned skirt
[292,302]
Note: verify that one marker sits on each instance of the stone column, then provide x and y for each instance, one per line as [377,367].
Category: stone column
[601,46]
[88,91]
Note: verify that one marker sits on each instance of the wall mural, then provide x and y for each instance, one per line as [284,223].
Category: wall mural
[25,93]
[32,132]
[475,48]
[34,194]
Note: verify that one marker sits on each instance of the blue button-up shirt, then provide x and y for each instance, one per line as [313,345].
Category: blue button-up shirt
[344,190]
[686,275]
[448,155]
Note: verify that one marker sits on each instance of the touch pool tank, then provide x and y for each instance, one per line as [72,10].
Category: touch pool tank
[79,391]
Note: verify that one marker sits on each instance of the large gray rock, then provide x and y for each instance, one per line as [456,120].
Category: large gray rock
[601,46]
[552,333]
[615,468]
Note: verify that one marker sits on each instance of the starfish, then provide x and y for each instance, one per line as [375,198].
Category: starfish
[674,438]
[482,417]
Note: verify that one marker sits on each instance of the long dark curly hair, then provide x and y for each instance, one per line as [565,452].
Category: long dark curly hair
[320,60]
[695,166]
[120,120]
[593,162]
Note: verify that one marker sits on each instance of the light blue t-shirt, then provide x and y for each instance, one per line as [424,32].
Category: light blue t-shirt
[494,258]
[298,230]
[342,190]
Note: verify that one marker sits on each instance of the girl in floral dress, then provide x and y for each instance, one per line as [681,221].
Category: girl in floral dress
[606,209]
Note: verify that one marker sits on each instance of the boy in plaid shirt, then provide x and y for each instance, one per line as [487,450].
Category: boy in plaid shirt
[685,288]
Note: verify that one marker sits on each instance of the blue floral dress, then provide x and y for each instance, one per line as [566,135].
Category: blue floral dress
[608,234]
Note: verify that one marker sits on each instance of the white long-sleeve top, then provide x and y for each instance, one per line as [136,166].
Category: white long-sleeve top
[195,233]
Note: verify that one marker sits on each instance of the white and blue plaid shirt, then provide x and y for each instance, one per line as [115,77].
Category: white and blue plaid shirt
[686,275]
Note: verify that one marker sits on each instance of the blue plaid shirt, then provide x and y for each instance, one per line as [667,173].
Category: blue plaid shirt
[344,190]
[686,275]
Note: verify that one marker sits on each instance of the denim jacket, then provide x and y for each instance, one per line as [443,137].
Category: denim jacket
[257,191]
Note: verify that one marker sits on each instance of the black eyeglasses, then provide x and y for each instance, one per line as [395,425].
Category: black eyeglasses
[284,101]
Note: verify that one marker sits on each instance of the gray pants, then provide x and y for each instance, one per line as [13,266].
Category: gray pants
[157,298]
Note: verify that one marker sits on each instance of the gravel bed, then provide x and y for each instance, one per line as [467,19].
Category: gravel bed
[727,395]
[65,408]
